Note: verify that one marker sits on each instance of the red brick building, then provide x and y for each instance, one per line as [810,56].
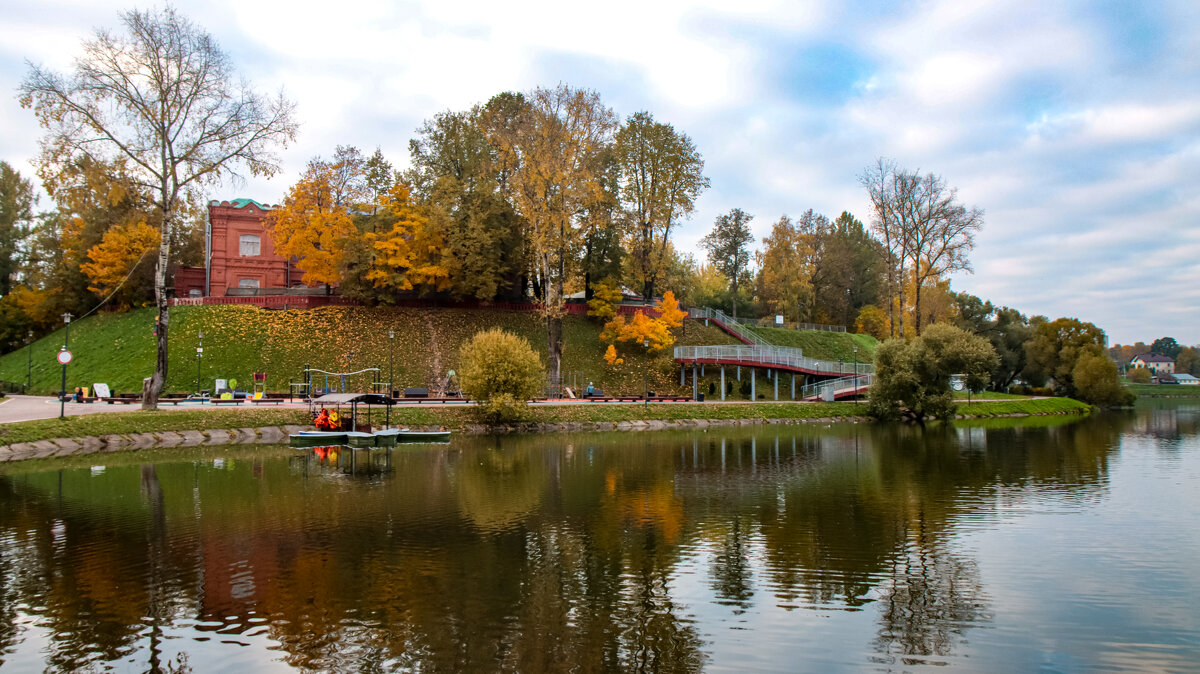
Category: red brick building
[238,255]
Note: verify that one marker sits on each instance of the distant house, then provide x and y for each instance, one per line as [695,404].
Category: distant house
[1187,380]
[239,256]
[1154,362]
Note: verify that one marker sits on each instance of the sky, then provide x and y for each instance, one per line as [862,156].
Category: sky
[1075,126]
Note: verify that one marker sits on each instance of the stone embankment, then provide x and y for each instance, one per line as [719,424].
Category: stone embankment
[107,443]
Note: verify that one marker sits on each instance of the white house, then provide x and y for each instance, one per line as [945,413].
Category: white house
[1154,362]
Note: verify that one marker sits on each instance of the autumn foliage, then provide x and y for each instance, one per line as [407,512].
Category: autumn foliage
[121,248]
[642,329]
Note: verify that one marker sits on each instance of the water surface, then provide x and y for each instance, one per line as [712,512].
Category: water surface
[1003,547]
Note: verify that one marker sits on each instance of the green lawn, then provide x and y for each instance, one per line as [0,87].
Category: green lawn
[1164,390]
[824,345]
[118,349]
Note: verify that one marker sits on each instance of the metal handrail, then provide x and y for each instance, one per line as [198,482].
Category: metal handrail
[852,382]
[735,325]
[770,355]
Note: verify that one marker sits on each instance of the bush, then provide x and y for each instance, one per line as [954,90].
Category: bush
[500,372]
[1096,382]
[1139,375]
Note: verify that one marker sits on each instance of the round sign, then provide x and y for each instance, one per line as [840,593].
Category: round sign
[64,357]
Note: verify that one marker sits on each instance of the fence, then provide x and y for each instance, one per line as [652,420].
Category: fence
[763,356]
[733,325]
[820,326]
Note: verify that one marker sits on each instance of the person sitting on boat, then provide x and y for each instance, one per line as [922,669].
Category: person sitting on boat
[323,422]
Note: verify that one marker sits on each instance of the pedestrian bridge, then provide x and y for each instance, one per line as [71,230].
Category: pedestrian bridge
[838,379]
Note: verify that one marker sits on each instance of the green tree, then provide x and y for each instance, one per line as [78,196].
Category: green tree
[1188,361]
[848,270]
[912,379]
[456,172]
[1097,382]
[1007,329]
[662,175]
[164,96]
[379,178]
[728,246]
[1055,348]
[500,372]
[16,218]
[1166,346]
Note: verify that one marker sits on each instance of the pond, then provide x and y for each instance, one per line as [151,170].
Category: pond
[1016,545]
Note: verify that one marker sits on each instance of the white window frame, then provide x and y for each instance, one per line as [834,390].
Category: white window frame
[248,283]
[246,239]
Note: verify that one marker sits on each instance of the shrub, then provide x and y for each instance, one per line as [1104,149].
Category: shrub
[1139,375]
[1096,381]
[500,371]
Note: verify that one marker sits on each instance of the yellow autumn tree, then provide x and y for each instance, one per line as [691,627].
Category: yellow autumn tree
[605,296]
[111,262]
[669,312]
[312,226]
[409,254]
[611,357]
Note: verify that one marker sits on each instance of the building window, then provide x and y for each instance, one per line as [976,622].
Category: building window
[195,292]
[249,246]
[248,283]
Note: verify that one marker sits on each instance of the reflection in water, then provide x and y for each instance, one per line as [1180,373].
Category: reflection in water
[590,552]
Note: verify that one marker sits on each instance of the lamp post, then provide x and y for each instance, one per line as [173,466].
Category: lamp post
[391,353]
[199,355]
[645,377]
[62,393]
[29,370]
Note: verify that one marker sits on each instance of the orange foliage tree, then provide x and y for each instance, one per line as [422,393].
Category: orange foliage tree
[654,332]
[112,260]
[312,226]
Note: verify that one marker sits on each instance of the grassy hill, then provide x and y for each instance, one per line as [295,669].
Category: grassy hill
[118,349]
[823,345]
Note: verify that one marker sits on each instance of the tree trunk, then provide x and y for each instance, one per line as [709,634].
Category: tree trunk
[916,303]
[648,291]
[554,347]
[150,395]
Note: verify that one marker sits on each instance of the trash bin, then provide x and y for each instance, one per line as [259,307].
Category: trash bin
[700,397]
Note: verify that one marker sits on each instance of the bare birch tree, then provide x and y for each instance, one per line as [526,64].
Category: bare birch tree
[164,96]
[925,231]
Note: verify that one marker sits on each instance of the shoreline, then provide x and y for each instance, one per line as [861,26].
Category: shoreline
[194,432]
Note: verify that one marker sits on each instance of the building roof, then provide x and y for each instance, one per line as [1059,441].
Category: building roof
[243,202]
[1153,358]
[1185,377]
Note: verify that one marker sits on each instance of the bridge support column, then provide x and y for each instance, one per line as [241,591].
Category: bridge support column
[776,378]
[682,374]
[753,381]
[722,382]
[695,384]
[701,369]
[739,372]
[793,386]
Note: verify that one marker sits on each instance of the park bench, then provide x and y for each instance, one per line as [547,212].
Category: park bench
[416,393]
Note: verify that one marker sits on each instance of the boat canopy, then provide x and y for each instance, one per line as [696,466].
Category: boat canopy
[348,398]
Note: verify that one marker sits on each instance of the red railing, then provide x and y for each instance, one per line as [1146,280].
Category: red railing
[314,301]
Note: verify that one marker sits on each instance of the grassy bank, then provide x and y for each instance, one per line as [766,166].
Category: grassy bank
[1164,390]
[458,417]
[118,349]
[824,345]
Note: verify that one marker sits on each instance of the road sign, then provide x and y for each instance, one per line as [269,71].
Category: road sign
[64,357]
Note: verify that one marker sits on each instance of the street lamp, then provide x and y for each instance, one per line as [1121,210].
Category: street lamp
[29,371]
[391,353]
[62,393]
[199,355]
